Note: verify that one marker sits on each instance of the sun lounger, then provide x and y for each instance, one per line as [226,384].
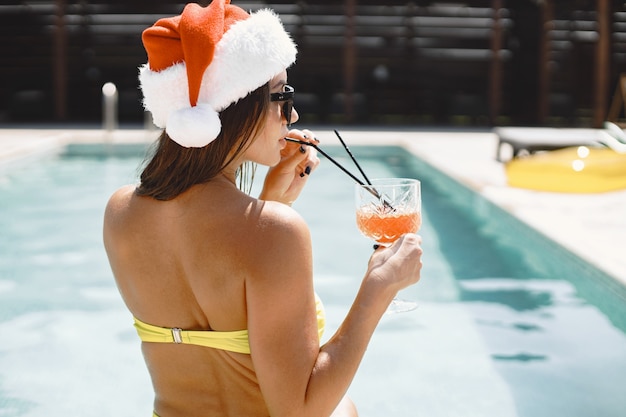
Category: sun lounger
[529,140]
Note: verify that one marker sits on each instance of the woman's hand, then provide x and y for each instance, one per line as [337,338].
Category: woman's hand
[397,266]
[285,180]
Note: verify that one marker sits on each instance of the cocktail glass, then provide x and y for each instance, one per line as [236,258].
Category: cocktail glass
[385,210]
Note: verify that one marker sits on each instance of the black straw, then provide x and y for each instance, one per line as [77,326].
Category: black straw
[352,157]
[301,142]
[368,187]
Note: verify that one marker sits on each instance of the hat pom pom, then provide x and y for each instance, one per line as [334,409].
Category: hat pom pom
[194,127]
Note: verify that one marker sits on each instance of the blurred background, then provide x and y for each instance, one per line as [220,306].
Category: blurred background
[388,62]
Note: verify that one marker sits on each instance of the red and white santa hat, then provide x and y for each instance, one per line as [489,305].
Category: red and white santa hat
[206,59]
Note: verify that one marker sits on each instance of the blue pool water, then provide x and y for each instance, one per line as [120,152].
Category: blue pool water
[508,324]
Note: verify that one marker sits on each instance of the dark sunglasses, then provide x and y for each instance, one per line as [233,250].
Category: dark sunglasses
[287,97]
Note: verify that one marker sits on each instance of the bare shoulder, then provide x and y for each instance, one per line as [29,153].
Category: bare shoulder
[120,198]
[280,233]
[281,222]
[117,207]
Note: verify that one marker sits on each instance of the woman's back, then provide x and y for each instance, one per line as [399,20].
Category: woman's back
[182,264]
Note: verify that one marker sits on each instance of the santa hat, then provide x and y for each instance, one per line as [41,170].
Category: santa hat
[206,59]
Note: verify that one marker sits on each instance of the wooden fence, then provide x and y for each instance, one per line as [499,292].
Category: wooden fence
[482,62]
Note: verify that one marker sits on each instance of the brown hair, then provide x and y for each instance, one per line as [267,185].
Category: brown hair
[173,169]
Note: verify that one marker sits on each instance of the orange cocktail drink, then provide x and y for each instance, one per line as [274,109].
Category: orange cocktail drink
[387,227]
[388,208]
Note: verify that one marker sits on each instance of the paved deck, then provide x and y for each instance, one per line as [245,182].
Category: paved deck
[592,226]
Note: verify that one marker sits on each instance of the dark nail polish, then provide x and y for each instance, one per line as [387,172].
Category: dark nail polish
[307,170]
[376,246]
[302,150]
[301,174]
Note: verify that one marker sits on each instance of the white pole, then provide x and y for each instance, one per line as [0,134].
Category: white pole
[109,106]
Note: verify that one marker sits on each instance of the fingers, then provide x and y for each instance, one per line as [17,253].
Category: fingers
[304,135]
[411,239]
[303,158]
[312,161]
[403,257]
[309,136]
[410,249]
[409,246]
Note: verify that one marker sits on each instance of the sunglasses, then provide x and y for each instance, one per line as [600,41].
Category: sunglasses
[287,97]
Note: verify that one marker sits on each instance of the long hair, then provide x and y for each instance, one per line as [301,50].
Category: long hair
[173,169]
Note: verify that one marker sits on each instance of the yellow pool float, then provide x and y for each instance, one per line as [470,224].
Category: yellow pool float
[581,169]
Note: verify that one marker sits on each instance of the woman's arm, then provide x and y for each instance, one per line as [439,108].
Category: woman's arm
[296,376]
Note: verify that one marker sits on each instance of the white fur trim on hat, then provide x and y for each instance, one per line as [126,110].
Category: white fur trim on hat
[247,56]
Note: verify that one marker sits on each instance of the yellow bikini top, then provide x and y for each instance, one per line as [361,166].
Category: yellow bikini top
[233,341]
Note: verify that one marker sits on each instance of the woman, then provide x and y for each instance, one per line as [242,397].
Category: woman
[220,283]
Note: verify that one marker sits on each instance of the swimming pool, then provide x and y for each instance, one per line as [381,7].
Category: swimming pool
[508,324]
